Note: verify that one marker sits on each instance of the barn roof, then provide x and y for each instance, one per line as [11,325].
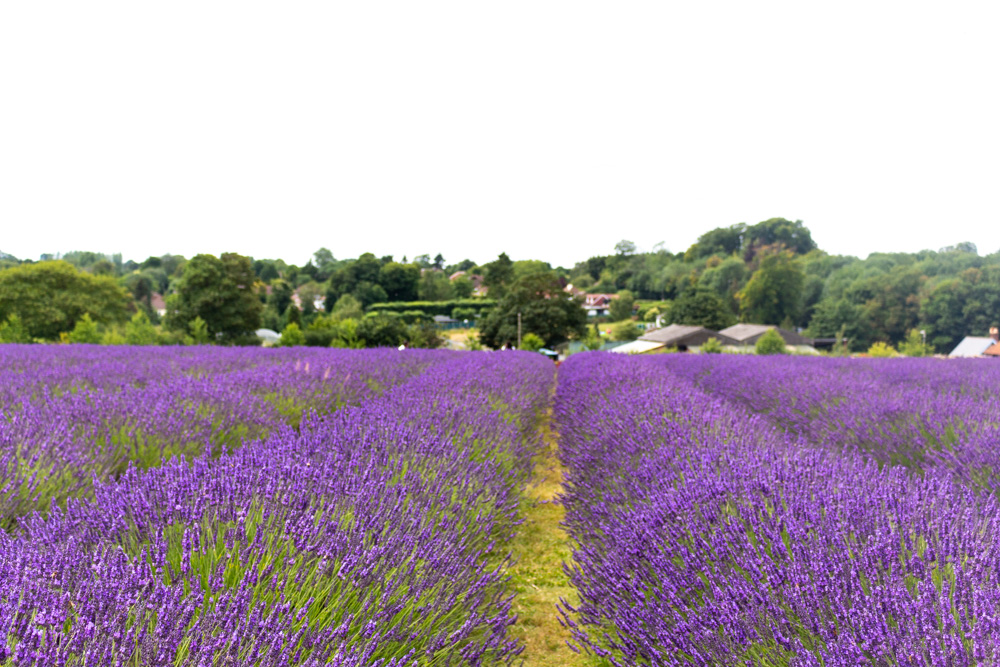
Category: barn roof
[972,346]
[749,333]
[680,334]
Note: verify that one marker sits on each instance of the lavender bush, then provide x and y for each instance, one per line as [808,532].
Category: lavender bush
[708,534]
[368,535]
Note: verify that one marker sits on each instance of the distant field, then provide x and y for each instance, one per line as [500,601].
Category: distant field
[225,506]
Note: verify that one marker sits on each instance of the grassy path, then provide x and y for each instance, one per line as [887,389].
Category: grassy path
[540,548]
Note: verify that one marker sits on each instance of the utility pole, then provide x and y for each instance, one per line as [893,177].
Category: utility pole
[519,330]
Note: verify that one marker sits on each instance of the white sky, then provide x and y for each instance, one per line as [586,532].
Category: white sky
[548,130]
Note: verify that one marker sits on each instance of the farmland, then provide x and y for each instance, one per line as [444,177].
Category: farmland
[227,506]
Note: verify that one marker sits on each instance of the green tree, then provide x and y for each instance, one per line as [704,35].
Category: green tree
[624,248]
[621,308]
[219,290]
[774,290]
[771,343]
[12,330]
[722,241]
[382,330]
[293,315]
[280,296]
[347,307]
[113,336]
[139,330]
[49,298]
[399,281]
[593,339]
[346,335]
[498,275]
[725,278]
[292,336]
[324,261]
[701,308]
[199,332]
[624,331]
[368,293]
[85,331]
[546,310]
[424,334]
[711,346]
[881,349]
[434,286]
[532,342]
[914,345]
[462,287]
[794,236]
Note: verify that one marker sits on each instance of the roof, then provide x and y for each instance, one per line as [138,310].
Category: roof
[268,335]
[637,347]
[972,346]
[993,350]
[157,302]
[749,333]
[443,319]
[685,334]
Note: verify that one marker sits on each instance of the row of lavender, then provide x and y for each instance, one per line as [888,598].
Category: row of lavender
[919,413]
[70,415]
[362,536]
[710,534]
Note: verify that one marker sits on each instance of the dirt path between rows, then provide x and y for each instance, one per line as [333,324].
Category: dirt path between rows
[540,548]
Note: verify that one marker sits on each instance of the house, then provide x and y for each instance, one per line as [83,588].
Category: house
[749,334]
[595,304]
[684,337]
[158,304]
[319,302]
[598,304]
[978,346]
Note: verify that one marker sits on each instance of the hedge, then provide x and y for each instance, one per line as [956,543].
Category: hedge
[432,307]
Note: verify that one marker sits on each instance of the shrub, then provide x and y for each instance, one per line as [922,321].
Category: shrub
[712,346]
[463,314]
[625,331]
[771,343]
[882,350]
[914,345]
[140,331]
[13,331]
[292,336]
[85,331]
[199,331]
[532,342]
[593,340]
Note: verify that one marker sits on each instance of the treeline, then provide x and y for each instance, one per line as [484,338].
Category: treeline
[771,272]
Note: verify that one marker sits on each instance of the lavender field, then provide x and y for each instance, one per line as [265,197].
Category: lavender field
[782,511]
[212,506]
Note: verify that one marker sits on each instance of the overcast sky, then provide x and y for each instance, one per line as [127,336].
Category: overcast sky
[548,130]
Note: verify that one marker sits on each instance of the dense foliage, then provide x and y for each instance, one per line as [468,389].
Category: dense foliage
[771,272]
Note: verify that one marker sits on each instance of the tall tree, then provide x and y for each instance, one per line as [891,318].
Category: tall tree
[621,308]
[774,290]
[219,290]
[49,298]
[546,311]
[497,275]
[399,281]
[701,307]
